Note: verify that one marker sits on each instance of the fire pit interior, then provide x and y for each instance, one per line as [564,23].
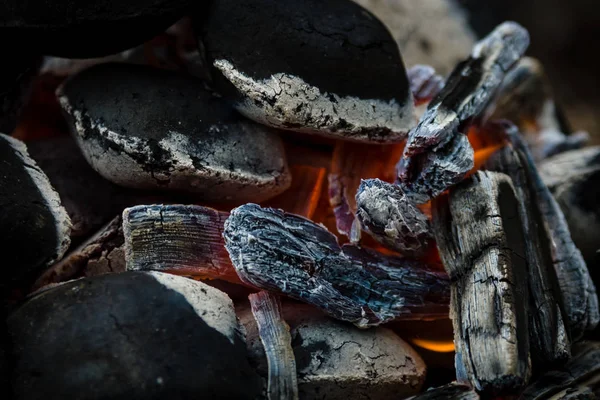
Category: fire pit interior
[284,199]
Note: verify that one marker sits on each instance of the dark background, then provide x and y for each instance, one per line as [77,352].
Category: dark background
[565,37]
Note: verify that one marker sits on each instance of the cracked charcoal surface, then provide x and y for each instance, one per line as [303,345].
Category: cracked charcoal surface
[481,242]
[291,255]
[152,129]
[70,28]
[451,391]
[35,226]
[259,49]
[130,336]
[548,333]
[336,360]
[467,92]
[580,299]
[392,218]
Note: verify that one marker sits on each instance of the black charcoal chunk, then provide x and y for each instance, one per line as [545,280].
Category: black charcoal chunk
[324,67]
[133,335]
[35,227]
[467,92]
[15,81]
[392,218]
[452,391]
[288,254]
[87,28]
[326,357]
[150,129]
[573,178]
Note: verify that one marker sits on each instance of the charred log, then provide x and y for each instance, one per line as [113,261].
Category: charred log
[291,255]
[392,218]
[481,242]
[451,391]
[577,290]
[185,240]
[277,341]
[425,84]
[468,90]
[548,334]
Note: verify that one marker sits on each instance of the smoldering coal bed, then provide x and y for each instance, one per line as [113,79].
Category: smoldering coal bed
[264,202]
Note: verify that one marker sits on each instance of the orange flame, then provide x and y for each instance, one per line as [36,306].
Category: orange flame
[439,346]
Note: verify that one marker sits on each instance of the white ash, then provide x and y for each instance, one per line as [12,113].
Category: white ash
[213,306]
[51,197]
[282,94]
[182,174]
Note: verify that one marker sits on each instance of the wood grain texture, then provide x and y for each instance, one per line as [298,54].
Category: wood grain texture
[479,235]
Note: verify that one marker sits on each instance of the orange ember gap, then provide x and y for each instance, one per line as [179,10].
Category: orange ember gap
[439,346]
[484,146]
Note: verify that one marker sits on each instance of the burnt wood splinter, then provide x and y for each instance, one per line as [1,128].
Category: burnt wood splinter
[437,153]
[291,255]
[481,242]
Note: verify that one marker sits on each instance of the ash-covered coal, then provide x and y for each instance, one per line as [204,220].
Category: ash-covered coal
[300,65]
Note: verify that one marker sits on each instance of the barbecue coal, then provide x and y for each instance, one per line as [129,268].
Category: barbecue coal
[146,128]
[91,28]
[14,86]
[127,336]
[392,218]
[573,178]
[291,255]
[579,298]
[336,360]
[35,226]
[437,155]
[548,334]
[481,242]
[185,240]
[425,84]
[259,63]
[90,200]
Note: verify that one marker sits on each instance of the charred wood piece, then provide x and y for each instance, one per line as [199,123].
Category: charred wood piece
[392,218]
[548,333]
[577,290]
[180,239]
[573,178]
[466,94]
[275,337]
[452,391]
[291,255]
[101,254]
[580,376]
[345,221]
[481,242]
[425,84]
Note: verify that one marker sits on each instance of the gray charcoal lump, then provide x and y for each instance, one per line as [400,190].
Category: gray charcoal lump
[146,128]
[35,227]
[289,254]
[133,335]
[87,28]
[300,65]
[392,218]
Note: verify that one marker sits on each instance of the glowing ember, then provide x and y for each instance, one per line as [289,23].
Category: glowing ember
[439,346]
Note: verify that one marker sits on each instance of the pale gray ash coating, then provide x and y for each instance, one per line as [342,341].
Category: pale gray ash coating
[336,360]
[392,218]
[147,129]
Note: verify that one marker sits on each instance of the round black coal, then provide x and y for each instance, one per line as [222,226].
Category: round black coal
[87,28]
[335,45]
[125,336]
